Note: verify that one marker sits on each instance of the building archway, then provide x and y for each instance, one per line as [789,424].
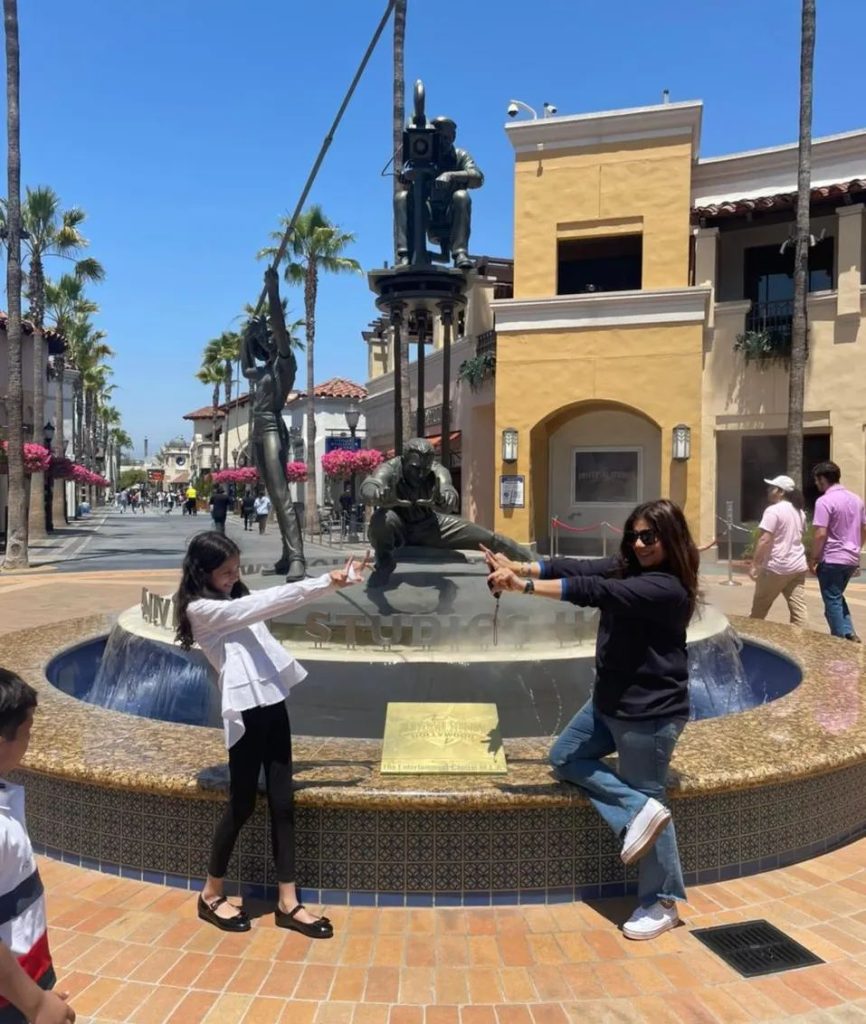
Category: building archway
[592,463]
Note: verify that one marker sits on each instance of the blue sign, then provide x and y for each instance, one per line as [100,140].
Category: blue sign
[342,444]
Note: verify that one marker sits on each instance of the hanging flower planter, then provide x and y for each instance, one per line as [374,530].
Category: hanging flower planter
[343,463]
[37,458]
[296,472]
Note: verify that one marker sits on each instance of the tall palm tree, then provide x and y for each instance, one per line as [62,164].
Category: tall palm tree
[16,536]
[120,442]
[87,349]
[225,351]
[67,304]
[212,374]
[799,326]
[405,412]
[316,246]
[49,231]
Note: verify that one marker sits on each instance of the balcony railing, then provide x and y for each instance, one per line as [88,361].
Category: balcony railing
[485,342]
[773,319]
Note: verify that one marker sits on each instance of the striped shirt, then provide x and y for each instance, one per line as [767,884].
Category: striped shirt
[22,900]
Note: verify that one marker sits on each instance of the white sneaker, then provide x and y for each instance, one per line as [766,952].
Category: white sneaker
[645,828]
[648,922]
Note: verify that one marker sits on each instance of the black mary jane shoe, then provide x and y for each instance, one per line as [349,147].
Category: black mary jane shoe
[207,912]
[321,928]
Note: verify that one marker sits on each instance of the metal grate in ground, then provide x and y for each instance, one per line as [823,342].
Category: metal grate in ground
[754,948]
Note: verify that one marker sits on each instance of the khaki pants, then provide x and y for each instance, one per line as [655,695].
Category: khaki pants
[769,585]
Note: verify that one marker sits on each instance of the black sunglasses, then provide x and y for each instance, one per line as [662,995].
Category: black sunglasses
[646,537]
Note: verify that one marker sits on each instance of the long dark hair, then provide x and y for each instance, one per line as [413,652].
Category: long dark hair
[681,553]
[206,552]
[796,498]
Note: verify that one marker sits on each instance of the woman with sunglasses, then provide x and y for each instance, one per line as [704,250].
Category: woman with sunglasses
[646,595]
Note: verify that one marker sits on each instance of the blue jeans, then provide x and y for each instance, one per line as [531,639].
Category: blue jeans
[644,748]
[833,579]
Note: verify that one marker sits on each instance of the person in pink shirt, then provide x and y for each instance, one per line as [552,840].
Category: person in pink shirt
[839,535]
[779,561]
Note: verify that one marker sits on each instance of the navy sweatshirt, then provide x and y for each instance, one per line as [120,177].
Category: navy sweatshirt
[640,654]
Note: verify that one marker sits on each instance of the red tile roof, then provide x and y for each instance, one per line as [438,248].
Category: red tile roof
[56,342]
[337,387]
[780,201]
[205,413]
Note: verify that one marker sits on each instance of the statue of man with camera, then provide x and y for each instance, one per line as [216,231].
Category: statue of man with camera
[435,203]
[415,503]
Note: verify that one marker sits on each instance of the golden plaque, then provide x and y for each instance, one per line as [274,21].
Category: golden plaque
[422,738]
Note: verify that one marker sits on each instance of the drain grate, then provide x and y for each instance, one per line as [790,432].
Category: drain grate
[755,947]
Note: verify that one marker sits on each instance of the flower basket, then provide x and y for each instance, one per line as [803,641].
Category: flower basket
[37,459]
[242,475]
[296,472]
[343,463]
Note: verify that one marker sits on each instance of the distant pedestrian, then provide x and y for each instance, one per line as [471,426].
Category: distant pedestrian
[248,509]
[219,507]
[839,534]
[191,498]
[262,506]
[779,561]
[124,501]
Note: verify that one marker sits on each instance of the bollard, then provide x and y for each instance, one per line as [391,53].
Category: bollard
[729,522]
[604,540]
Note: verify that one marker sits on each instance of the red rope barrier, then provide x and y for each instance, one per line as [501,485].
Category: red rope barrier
[583,529]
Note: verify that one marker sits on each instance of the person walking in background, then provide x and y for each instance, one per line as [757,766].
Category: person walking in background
[219,508]
[248,509]
[838,537]
[779,561]
[640,702]
[191,497]
[124,501]
[262,507]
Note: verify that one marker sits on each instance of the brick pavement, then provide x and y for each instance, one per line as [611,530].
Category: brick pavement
[131,951]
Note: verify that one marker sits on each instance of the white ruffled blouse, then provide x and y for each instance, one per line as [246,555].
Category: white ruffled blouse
[254,669]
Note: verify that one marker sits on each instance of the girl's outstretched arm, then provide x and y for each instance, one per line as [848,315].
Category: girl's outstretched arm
[214,617]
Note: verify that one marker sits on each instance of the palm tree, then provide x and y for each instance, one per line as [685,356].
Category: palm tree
[120,442]
[212,373]
[16,537]
[48,232]
[317,245]
[224,351]
[67,304]
[799,326]
[399,118]
[87,350]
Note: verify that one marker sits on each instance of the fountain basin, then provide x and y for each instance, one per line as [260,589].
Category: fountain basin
[772,785]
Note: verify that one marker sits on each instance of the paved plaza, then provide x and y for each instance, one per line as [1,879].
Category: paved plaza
[132,951]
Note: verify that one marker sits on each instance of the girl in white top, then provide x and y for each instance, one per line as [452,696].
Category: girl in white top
[779,561]
[217,611]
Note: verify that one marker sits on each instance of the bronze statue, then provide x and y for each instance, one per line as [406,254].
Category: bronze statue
[435,203]
[271,346]
[414,503]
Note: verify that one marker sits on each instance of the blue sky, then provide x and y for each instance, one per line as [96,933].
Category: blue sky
[186,127]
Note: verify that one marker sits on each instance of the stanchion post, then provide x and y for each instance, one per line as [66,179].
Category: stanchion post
[729,523]
[604,540]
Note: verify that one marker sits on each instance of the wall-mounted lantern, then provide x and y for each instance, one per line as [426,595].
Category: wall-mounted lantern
[509,444]
[682,442]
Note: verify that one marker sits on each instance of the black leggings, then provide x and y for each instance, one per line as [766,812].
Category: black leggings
[267,741]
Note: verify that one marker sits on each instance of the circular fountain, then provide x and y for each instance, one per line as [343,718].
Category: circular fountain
[434,634]
[771,772]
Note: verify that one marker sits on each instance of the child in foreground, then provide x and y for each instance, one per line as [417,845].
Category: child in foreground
[26,971]
[217,611]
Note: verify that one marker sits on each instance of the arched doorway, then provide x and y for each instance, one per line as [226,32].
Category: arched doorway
[603,459]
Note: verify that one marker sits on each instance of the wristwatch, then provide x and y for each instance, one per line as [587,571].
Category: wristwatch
[529,586]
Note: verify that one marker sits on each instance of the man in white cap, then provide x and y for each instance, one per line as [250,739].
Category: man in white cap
[779,561]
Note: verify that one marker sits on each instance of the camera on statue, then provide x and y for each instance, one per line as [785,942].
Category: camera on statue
[421,147]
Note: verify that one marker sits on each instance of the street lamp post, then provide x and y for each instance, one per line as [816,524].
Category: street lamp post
[48,432]
[353,414]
